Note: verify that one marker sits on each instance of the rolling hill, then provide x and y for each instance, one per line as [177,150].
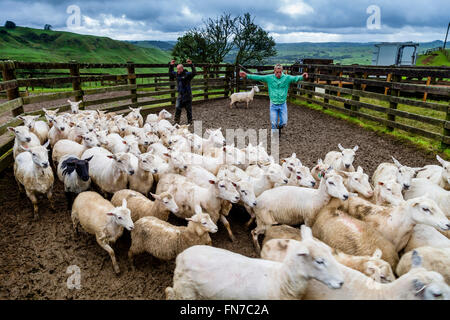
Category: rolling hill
[28,44]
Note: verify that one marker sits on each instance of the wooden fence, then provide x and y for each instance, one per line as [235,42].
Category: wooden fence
[328,86]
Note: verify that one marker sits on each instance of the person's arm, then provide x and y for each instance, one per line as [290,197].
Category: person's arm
[171,66]
[258,77]
[299,78]
[193,73]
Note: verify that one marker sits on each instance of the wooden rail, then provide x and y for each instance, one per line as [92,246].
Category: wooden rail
[351,86]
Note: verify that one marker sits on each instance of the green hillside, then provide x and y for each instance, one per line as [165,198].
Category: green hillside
[27,44]
[437,58]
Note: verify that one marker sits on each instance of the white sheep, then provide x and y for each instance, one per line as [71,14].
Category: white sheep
[144,168]
[423,235]
[23,138]
[417,284]
[388,192]
[108,171]
[140,206]
[74,106]
[39,128]
[403,174]
[65,146]
[163,114]
[343,160]
[358,182]
[99,217]
[135,117]
[165,241]
[59,130]
[439,175]
[33,172]
[425,187]
[243,96]
[204,272]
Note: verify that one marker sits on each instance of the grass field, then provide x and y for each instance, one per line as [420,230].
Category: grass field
[437,58]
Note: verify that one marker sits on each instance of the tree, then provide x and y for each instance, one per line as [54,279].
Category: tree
[48,27]
[192,45]
[218,33]
[253,44]
[10,25]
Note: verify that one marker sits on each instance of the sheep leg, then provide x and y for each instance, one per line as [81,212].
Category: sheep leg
[75,222]
[255,233]
[69,198]
[131,258]
[250,221]
[227,225]
[101,240]
[50,199]
[32,197]
[21,188]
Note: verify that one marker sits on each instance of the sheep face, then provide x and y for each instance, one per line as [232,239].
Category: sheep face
[178,160]
[389,191]
[101,137]
[149,162]
[90,140]
[22,133]
[256,88]
[123,162]
[216,137]
[152,137]
[164,114]
[348,155]
[122,216]
[60,123]
[28,121]
[234,156]
[39,155]
[50,114]
[81,167]
[359,182]
[304,177]
[378,269]
[226,190]
[166,198]
[404,174]
[74,106]
[335,187]
[426,211]
[317,260]
[204,221]
[121,123]
[135,113]
[292,161]
[446,166]
[246,193]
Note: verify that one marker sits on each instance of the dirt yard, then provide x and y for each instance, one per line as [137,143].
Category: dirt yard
[34,256]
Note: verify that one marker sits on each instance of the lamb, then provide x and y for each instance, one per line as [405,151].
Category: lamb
[341,161]
[424,235]
[401,173]
[74,173]
[134,117]
[33,172]
[23,138]
[58,130]
[98,216]
[116,143]
[388,193]
[436,174]
[294,205]
[397,223]
[165,241]
[39,128]
[140,206]
[192,198]
[299,176]
[425,187]
[204,272]
[65,146]
[433,259]
[74,106]
[142,179]
[163,114]
[358,182]
[49,115]
[243,96]
[278,238]
[417,284]
[76,131]
[108,171]
[352,236]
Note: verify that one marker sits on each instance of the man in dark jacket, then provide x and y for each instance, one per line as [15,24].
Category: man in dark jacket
[184,99]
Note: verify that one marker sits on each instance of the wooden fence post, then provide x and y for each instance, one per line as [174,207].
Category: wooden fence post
[393,105]
[132,80]
[76,83]
[426,93]
[228,75]
[9,73]
[205,82]
[356,86]
[172,87]
[445,143]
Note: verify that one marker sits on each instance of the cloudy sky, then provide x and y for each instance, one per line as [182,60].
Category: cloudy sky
[286,20]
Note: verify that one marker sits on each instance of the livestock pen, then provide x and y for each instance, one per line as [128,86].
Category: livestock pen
[36,255]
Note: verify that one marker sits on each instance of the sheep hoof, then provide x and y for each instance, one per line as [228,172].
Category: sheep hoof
[232,238]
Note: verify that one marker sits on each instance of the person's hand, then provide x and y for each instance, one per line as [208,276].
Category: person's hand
[172,61]
[305,75]
[188,61]
[242,74]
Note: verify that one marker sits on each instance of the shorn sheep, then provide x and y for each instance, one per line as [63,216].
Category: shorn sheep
[343,160]
[439,175]
[423,235]
[204,272]
[39,128]
[294,205]
[140,206]
[99,217]
[165,241]
[425,187]
[278,238]
[243,96]
[403,174]
[32,171]
[417,284]
[433,259]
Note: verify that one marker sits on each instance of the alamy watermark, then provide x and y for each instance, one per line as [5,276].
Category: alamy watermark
[374,20]
[74,20]
[74,280]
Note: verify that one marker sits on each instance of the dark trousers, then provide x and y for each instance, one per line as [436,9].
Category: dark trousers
[180,105]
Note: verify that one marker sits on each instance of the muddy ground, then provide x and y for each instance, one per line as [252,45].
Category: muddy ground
[34,256]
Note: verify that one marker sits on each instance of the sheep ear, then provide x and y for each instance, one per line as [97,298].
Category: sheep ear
[283,161]
[20,117]
[155,196]
[377,254]
[396,162]
[360,169]
[110,214]
[212,181]
[111,156]
[124,203]
[416,259]
[89,159]
[306,232]
[303,251]
[355,148]
[418,285]
[340,147]
[24,148]
[12,129]
[381,183]
[441,161]
[45,145]
[319,161]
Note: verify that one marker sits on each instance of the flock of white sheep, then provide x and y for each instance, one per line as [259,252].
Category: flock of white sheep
[387,238]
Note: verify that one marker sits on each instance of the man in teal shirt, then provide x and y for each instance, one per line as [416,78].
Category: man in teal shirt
[278,84]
